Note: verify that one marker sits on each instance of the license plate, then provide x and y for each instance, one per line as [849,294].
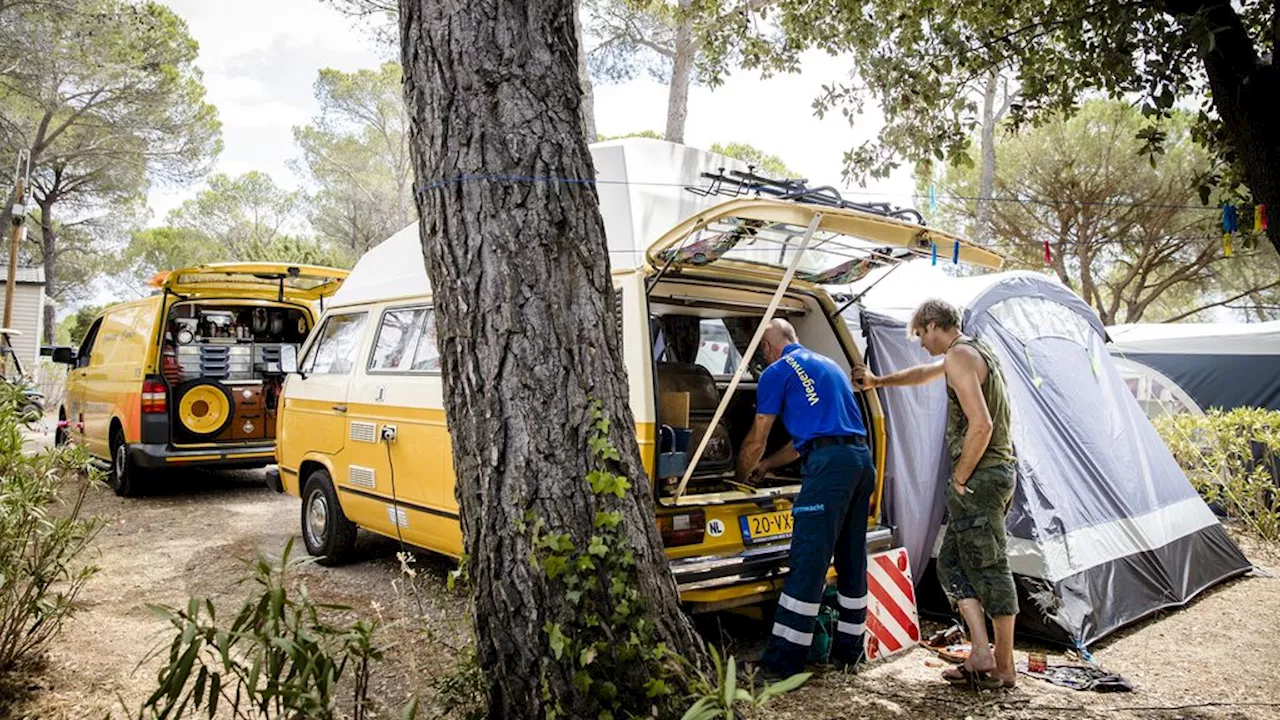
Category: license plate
[763,527]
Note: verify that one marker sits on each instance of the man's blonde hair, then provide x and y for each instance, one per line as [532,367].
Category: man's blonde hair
[936,312]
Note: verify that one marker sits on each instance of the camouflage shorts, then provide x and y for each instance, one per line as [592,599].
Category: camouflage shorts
[973,562]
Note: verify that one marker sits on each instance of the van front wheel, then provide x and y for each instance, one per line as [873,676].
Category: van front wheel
[326,531]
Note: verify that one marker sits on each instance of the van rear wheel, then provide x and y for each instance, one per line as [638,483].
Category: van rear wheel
[326,531]
[126,478]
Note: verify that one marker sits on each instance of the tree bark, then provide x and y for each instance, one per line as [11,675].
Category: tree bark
[987,175]
[584,80]
[49,242]
[681,75]
[1242,88]
[523,301]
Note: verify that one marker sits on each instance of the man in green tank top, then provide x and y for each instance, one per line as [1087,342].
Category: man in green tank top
[972,564]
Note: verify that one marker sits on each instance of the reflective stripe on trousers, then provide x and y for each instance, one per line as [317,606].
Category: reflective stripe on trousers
[830,518]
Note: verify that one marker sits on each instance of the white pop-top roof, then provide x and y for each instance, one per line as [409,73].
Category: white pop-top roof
[641,185]
[1197,338]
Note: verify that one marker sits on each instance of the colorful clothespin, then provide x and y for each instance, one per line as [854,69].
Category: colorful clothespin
[1260,218]
[1048,254]
[955,252]
[1230,223]
[934,246]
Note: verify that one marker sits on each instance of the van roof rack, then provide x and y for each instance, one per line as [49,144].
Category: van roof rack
[737,183]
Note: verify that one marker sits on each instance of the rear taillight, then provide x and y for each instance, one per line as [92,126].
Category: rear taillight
[683,528]
[155,397]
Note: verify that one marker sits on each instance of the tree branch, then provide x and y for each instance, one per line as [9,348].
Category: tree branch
[1220,303]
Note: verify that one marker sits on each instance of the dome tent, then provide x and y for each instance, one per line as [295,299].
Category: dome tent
[1104,528]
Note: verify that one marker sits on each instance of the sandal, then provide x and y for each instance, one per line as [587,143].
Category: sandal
[973,679]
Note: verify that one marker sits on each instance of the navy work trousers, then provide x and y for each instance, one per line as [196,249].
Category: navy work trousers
[830,518]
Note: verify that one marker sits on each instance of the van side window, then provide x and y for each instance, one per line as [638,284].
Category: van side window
[406,342]
[86,346]
[334,351]
[716,351]
[397,338]
[426,358]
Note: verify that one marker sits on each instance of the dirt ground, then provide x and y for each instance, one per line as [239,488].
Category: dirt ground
[1217,658]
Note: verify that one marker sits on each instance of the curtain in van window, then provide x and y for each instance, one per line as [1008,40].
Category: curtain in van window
[741,330]
[682,335]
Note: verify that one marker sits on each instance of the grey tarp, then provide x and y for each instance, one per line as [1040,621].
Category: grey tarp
[1104,528]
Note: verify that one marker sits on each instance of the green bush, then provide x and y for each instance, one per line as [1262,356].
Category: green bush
[42,536]
[278,658]
[1231,457]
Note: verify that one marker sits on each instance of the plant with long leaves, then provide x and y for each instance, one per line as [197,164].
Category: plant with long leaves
[43,535]
[722,695]
[280,657]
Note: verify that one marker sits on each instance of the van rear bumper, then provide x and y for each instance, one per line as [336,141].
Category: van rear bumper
[713,579]
[160,455]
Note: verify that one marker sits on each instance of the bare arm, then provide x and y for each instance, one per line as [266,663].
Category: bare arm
[750,465]
[964,368]
[864,379]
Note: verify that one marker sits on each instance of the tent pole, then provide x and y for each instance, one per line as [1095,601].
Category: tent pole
[751,350]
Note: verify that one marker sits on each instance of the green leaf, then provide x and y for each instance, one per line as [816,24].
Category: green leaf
[598,547]
[607,519]
[555,566]
[730,681]
[556,638]
[784,686]
[703,709]
[410,711]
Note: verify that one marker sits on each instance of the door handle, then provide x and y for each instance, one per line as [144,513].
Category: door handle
[340,408]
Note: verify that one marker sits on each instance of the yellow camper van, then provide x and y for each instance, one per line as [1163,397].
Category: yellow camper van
[363,439]
[190,376]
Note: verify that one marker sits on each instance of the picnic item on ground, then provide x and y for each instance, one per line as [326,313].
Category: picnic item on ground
[1078,677]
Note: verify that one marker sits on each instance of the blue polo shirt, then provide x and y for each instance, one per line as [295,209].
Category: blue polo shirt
[813,395]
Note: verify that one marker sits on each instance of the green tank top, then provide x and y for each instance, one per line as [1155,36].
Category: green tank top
[1000,448]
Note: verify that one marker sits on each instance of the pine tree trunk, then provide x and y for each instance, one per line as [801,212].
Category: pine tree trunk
[681,76]
[987,174]
[523,302]
[584,79]
[49,239]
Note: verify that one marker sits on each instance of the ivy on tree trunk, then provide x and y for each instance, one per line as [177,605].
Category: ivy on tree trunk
[524,307]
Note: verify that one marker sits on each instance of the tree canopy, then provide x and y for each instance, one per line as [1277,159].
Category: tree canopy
[248,217]
[1126,233]
[106,97]
[355,155]
[918,59]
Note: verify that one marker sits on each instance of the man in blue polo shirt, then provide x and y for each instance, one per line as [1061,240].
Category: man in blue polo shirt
[815,399]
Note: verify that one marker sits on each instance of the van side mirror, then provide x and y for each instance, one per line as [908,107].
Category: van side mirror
[65,355]
[288,359]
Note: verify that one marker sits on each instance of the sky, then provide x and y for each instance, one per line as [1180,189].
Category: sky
[261,57]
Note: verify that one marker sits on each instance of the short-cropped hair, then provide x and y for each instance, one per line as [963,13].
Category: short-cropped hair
[936,312]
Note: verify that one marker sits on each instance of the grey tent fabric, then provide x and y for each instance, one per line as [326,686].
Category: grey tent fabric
[916,462]
[1104,529]
[1217,365]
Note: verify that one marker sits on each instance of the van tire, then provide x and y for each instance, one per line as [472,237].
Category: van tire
[326,531]
[126,478]
[62,433]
